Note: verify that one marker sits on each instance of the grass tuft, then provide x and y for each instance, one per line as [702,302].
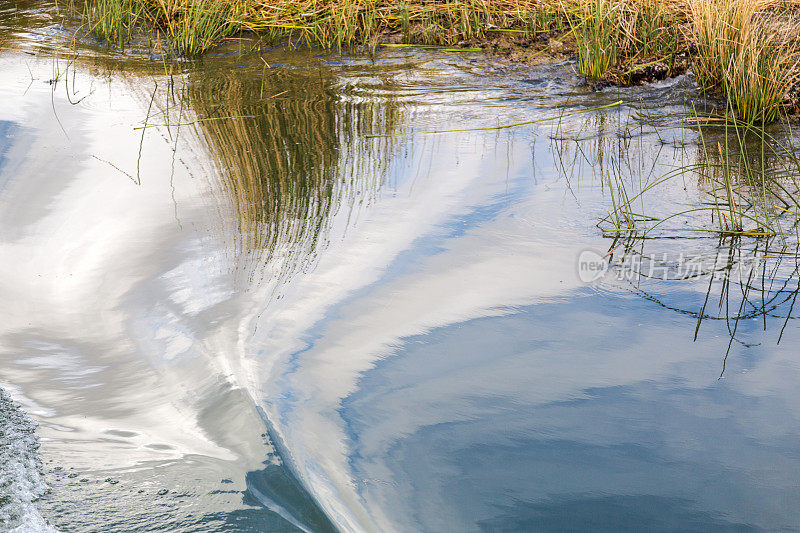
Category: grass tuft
[114,20]
[597,35]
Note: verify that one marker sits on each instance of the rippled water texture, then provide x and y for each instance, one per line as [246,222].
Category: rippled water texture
[254,293]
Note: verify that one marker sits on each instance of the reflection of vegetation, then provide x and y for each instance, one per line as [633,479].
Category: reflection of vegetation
[746,50]
[290,147]
[748,179]
[724,223]
[17,17]
[741,283]
[297,155]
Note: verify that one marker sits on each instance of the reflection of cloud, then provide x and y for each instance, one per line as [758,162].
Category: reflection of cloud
[457,356]
[121,315]
[471,276]
[520,407]
[90,330]
[436,363]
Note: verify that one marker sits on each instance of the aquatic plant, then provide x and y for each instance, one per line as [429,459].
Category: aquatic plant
[748,181]
[201,23]
[736,233]
[609,33]
[743,182]
[651,27]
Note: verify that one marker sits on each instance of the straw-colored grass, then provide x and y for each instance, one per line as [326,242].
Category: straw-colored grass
[748,50]
[340,23]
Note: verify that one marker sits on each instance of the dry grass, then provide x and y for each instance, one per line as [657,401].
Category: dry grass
[748,50]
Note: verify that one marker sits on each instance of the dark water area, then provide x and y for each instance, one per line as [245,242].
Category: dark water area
[256,292]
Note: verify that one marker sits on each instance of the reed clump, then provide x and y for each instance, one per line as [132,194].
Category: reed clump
[187,27]
[598,37]
[748,50]
[114,20]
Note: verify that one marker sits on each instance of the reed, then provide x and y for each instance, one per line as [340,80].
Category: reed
[186,27]
[597,37]
[651,27]
[201,24]
[329,24]
[610,33]
[114,20]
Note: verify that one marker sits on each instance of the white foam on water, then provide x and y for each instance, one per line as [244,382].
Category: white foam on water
[21,481]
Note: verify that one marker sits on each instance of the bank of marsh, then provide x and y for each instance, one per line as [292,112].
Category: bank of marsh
[745,50]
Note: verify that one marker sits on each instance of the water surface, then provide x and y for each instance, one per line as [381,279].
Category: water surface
[254,293]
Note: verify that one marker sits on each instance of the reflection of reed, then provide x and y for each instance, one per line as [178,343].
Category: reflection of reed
[299,156]
[735,238]
[744,281]
[290,147]
[752,177]
[17,17]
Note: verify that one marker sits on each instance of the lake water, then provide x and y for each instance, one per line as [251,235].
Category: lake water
[260,292]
